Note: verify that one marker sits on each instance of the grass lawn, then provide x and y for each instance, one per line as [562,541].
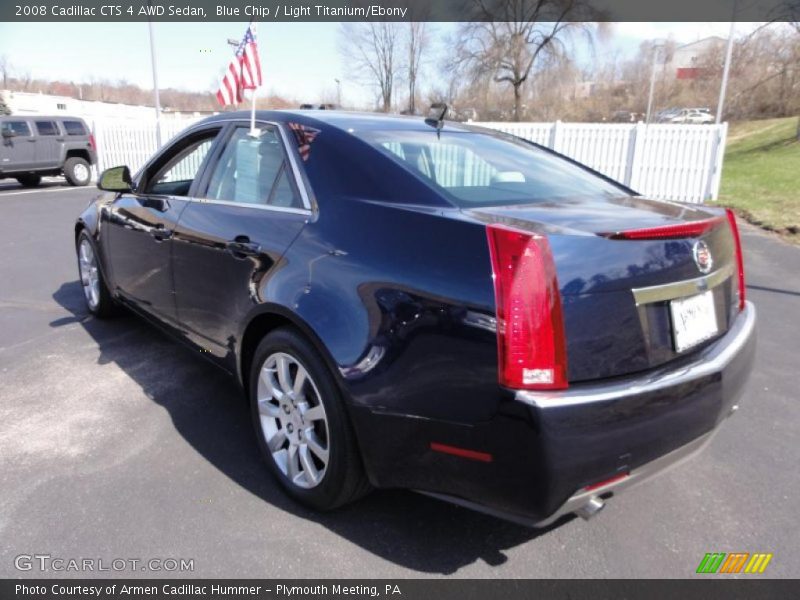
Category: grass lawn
[761,174]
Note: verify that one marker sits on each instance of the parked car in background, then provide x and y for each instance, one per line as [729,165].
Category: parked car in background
[318,107]
[690,115]
[624,116]
[36,146]
[414,303]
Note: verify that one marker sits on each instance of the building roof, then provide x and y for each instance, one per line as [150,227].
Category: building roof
[704,40]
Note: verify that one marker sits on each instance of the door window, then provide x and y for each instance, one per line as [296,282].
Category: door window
[46,128]
[176,171]
[254,170]
[18,127]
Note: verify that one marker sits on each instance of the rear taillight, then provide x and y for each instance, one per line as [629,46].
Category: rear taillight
[666,232]
[92,144]
[739,257]
[530,327]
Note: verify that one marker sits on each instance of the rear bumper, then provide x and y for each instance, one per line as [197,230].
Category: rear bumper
[547,447]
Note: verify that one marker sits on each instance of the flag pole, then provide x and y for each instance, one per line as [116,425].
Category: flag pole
[253,113]
[253,97]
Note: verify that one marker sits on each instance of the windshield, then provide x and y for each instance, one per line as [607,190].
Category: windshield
[478,169]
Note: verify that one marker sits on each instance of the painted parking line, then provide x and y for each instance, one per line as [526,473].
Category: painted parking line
[4,194]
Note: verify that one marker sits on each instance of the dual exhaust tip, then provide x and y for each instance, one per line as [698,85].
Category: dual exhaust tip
[593,506]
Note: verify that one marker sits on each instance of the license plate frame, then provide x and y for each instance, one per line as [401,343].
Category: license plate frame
[694,320]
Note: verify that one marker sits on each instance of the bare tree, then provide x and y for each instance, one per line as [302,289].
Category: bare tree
[373,49]
[417,42]
[507,37]
[5,70]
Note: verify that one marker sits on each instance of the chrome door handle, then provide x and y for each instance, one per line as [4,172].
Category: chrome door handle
[160,233]
[242,247]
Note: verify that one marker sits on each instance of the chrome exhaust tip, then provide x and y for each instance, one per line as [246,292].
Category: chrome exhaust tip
[593,506]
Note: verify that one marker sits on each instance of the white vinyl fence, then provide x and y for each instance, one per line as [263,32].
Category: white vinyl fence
[132,142]
[670,162]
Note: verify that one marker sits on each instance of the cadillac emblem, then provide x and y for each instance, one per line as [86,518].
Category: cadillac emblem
[702,256]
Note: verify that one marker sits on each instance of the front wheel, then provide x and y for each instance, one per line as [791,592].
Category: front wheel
[303,430]
[98,298]
[77,171]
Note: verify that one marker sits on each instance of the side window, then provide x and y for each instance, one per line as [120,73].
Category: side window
[20,128]
[74,128]
[254,170]
[177,170]
[46,128]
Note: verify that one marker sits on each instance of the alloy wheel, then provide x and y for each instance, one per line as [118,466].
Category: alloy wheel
[293,420]
[90,276]
[81,172]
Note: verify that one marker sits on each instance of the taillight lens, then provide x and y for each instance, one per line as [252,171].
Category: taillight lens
[530,326]
[91,142]
[739,256]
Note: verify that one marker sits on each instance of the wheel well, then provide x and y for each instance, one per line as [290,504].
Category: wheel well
[78,228]
[263,324]
[255,332]
[78,154]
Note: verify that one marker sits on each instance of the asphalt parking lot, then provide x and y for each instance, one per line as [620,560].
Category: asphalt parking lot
[116,442]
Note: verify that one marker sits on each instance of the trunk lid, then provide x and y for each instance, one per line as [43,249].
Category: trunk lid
[617,293]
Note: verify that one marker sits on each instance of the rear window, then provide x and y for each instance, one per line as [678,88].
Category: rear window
[46,128]
[74,128]
[477,169]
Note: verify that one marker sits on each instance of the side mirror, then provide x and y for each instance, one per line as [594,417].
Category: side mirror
[116,179]
[8,132]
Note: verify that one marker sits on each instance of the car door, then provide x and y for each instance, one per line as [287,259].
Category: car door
[19,150]
[228,242]
[48,143]
[141,224]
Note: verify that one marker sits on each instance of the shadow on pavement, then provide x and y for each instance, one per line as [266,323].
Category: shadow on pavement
[208,410]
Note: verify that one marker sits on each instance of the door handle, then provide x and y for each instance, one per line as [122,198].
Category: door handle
[242,247]
[160,233]
[31,140]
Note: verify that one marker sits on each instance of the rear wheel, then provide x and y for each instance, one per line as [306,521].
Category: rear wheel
[302,427]
[77,171]
[98,298]
[29,180]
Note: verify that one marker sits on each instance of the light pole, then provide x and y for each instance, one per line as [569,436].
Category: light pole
[723,88]
[155,82]
[656,47]
[338,93]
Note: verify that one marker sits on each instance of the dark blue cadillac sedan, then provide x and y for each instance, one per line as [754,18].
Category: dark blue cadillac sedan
[428,305]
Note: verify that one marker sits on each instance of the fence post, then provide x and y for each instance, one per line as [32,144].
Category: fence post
[98,143]
[717,156]
[635,149]
[555,136]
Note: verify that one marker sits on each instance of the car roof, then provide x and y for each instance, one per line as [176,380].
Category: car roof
[344,120]
[43,117]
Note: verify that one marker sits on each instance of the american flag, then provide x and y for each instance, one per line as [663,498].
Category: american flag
[243,72]
[304,136]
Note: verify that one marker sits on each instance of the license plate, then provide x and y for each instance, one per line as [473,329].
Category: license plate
[694,320]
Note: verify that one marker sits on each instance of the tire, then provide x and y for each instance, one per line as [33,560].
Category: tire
[286,423]
[77,171]
[29,180]
[95,292]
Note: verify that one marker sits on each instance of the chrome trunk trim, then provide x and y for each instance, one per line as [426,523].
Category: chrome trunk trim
[680,289]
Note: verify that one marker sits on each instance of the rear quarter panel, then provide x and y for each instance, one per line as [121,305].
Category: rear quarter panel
[395,294]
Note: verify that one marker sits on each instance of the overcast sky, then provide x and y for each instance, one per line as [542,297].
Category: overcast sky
[299,60]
